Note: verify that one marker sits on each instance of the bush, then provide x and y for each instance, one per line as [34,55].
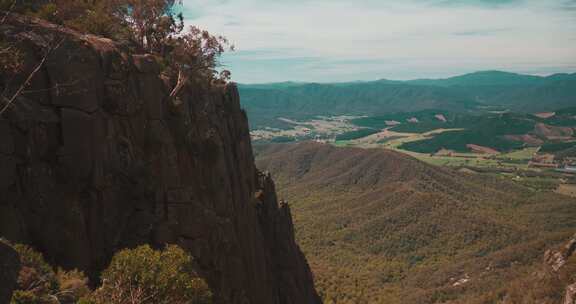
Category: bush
[73,285]
[144,275]
[39,284]
[37,281]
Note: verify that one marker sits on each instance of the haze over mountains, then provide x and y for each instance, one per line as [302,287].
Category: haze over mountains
[471,92]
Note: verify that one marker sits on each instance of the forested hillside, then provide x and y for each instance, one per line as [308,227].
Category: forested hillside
[382,227]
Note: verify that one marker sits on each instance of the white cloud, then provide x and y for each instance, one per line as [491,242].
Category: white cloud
[395,39]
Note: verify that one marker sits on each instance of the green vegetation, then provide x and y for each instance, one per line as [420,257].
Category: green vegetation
[473,93]
[150,27]
[557,147]
[487,131]
[283,139]
[140,275]
[144,275]
[38,283]
[426,121]
[381,227]
[458,141]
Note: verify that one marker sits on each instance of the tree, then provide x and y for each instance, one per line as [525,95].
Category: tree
[39,284]
[143,275]
[153,23]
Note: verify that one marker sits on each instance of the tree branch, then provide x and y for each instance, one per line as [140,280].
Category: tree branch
[8,12]
[10,101]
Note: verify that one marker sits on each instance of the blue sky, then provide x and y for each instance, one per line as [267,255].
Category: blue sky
[345,40]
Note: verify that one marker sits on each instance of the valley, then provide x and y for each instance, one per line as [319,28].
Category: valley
[261,152]
[451,128]
[379,226]
[433,203]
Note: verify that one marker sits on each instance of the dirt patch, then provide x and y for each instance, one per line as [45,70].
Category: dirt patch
[441,117]
[528,139]
[551,132]
[467,171]
[545,115]
[567,189]
[481,149]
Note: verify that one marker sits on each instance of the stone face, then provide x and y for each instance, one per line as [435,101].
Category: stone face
[9,268]
[103,161]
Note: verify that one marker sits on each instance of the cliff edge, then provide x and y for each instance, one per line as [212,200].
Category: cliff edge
[96,158]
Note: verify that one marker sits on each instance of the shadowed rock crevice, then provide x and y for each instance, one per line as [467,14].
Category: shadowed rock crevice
[9,267]
[96,158]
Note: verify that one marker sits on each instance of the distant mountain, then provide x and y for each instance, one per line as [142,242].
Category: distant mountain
[411,232]
[266,104]
[525,93]
[485,78]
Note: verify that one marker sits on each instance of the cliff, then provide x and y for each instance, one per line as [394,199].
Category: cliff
[95,158]
[9,267]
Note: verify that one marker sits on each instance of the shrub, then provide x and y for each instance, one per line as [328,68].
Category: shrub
[144,275]
[73,285]
[36,281]
[39,284]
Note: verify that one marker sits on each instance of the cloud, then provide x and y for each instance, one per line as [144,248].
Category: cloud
[485,32]
[321,40]
[484,3]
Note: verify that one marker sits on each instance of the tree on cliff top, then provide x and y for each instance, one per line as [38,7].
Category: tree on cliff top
[149,26]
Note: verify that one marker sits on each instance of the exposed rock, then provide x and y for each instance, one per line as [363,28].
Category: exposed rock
[9,268]
[557,258]
[95,159]
[570,297]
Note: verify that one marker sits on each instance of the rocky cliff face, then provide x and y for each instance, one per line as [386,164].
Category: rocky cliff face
[95,158]
[9,268]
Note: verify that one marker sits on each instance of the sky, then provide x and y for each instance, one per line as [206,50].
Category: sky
[347,40]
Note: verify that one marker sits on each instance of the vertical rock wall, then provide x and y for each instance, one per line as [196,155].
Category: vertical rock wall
[95,158]
[9,268]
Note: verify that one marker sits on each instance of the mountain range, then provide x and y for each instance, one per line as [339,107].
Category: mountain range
[480,91]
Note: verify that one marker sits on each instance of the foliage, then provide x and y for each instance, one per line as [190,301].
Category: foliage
[381,227]
[135,276]
[557,147]
[152,26]
[39,284]
[73,286]
[144,275]
[37,279]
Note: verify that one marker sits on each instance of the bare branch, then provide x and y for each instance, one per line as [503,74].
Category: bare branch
[27,81]
[8,12]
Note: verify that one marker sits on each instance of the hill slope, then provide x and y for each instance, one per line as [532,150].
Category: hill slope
[382,227]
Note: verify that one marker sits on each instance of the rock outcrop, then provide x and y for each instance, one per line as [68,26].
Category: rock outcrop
[95,158]
[9,268]
[555,260]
